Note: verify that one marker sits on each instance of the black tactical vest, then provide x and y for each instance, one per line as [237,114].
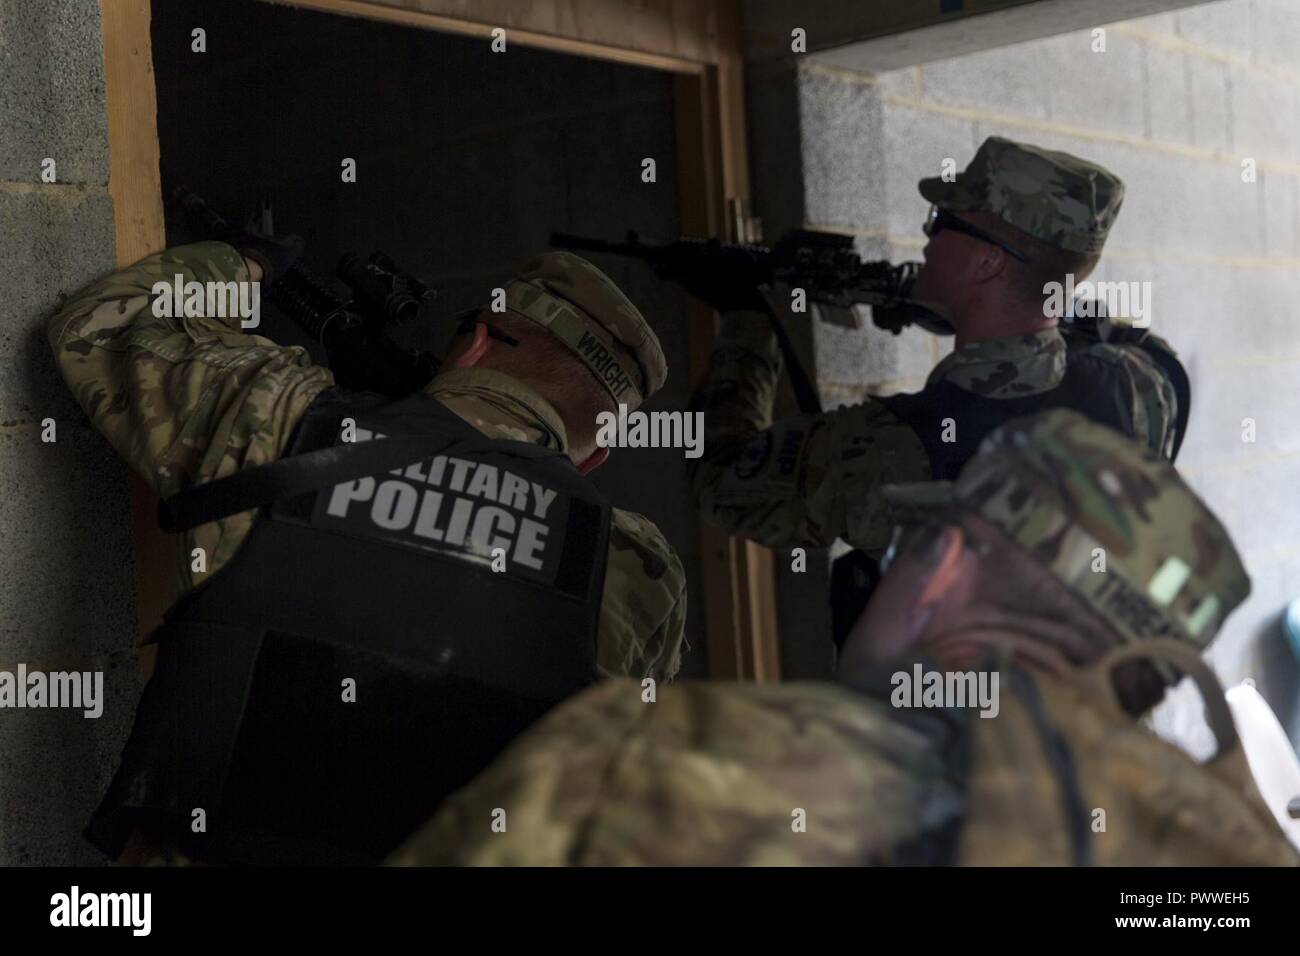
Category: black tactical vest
[951,422]
[359,658]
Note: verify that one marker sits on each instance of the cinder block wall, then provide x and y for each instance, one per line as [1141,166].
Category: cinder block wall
[67,588]
[1174,105]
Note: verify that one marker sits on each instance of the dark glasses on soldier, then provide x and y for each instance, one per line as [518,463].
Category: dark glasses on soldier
[941,219]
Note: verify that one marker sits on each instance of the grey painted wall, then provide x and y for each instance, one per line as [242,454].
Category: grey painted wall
[67,587]
[1174,105]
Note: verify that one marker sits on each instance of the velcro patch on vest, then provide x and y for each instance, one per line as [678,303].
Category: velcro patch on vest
[460,508]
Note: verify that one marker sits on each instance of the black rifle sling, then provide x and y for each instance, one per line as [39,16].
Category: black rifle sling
[308,472]
[804,393]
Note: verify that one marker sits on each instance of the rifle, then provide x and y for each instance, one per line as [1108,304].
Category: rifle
[354,332]
[822,264]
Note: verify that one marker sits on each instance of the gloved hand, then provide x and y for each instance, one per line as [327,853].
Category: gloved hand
[275,255]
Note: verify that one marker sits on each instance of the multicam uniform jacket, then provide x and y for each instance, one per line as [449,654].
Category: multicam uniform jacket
[188,400]
[710,773]
[809,479]
[810,773]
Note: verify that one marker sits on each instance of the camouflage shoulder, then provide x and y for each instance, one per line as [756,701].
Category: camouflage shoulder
[635,532]
[200,261]
[870,447]
[100,311]
[208,261]
[642,613]
[1006,367]
[709,774]
[1125,353]
[1162,808]
[539,792]
[1153,394]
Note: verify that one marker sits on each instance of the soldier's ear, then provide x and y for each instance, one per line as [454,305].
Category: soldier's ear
[990,262]
[942,562]
[940,570]
[478,348]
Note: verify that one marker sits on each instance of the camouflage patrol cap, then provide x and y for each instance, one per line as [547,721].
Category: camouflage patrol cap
[1065,201]
[1062,486]
[584,309]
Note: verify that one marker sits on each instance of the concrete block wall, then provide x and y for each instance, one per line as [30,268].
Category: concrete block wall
[1175,105]
[67,591]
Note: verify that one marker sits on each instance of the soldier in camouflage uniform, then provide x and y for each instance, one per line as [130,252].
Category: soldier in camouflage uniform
[1064,554]
[1017,217]
[187,401]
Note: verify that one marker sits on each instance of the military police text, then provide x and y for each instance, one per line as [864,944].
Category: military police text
[462,520]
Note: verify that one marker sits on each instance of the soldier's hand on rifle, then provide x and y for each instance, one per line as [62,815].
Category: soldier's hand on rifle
[274,256]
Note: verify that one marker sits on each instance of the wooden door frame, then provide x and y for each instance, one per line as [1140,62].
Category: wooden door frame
[698,42]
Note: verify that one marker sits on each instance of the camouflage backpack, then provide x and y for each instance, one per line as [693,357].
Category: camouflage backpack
[1063,776]
[1162,398]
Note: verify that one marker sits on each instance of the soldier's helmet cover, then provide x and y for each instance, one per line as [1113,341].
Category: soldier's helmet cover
[1110,518]
[1063,200]
[584,309]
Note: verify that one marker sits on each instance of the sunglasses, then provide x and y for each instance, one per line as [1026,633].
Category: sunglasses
[941,219]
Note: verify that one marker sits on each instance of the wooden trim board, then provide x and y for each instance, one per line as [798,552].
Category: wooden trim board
[673,35]
[134,182]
